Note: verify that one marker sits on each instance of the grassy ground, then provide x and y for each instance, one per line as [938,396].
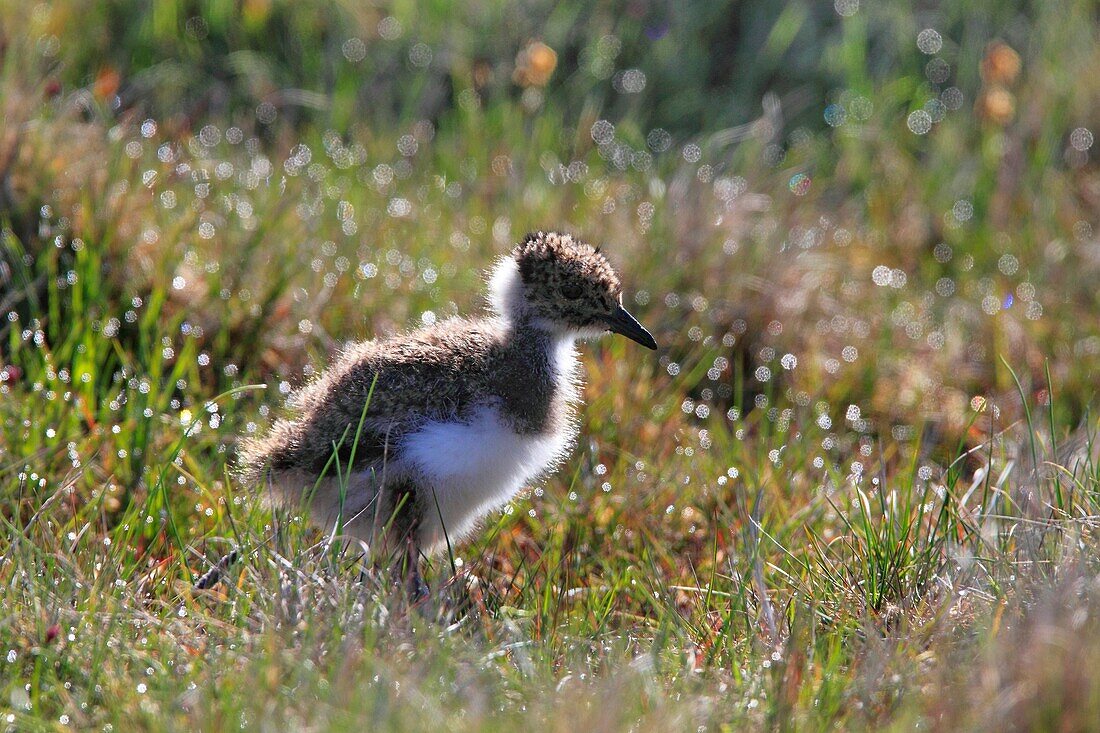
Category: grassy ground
[857,487]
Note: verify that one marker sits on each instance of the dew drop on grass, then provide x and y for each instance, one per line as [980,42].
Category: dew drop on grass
[399,207]
[846,8]
[937,70]
[963,210]
[1081,139]
[603,132]
[919,122]
[835,115]
[929,41]
[1008,264]
[354,50]
[658,140]
[936,110]
[799,184]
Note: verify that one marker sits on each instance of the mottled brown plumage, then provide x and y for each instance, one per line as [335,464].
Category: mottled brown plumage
[435,373]
[460,414]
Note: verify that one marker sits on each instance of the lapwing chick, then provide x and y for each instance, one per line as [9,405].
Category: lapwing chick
[406,442]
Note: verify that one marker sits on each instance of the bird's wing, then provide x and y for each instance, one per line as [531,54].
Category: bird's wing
[378,391]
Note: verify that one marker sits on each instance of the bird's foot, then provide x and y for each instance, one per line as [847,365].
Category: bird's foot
[215,574]
[415,586]
[418,590]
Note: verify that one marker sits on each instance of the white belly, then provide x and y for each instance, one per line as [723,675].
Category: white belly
[473,467]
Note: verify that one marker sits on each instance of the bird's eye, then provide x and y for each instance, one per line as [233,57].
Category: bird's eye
[571,291]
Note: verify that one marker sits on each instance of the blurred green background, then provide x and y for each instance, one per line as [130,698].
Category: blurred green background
[704,66]
[951,145]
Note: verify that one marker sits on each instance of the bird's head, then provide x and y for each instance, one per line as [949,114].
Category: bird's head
[563,285]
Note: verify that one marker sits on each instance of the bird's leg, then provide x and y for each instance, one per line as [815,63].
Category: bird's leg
[417,588]
[404,525]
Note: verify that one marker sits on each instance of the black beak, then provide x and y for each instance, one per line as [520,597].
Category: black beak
[622,322]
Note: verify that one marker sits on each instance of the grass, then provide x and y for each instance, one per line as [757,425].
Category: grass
[856,488]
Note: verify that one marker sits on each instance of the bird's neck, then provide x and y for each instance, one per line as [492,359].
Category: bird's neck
[535,336]
[536,377]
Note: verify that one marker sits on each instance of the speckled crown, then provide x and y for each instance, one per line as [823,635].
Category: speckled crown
[549,256]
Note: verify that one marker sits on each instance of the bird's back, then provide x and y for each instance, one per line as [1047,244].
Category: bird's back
[442,372]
